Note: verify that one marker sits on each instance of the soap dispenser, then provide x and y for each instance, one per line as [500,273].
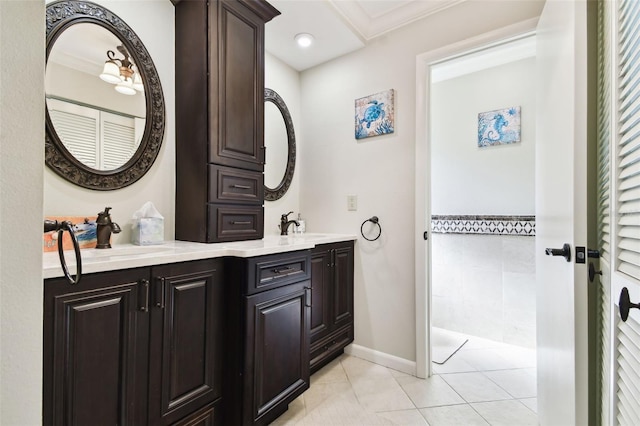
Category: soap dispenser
[301,225]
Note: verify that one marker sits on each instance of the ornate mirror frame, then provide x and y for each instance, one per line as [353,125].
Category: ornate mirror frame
[279,191]
[59,16]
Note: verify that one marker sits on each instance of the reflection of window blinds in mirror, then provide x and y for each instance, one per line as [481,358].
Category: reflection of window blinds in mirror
[118,140]
[99,139]
[139,124]
[75,130]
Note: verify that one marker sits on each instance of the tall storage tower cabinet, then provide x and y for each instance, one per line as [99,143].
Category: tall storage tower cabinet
[220,119]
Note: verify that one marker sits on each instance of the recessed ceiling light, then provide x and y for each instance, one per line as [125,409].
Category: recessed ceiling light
[304,39]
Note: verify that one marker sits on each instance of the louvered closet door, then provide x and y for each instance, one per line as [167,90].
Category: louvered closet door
[619,213]
[118,139]
[78,128]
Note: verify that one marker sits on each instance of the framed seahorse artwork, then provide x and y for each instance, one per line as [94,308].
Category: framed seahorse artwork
[499,127]
[375,115]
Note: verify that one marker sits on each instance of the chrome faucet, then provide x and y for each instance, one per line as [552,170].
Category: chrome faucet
[285,223]
[104,229]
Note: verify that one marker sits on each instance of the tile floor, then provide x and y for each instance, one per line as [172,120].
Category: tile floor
[484,383]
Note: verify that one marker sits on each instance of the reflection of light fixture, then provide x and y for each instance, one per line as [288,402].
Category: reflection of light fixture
[126,79]
[304,39]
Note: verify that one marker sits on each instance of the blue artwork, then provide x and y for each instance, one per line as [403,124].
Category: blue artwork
[375,115]
[499,127]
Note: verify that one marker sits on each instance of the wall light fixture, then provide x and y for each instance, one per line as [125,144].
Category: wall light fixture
[123,75]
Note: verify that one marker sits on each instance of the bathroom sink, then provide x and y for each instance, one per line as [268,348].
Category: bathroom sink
[123,251]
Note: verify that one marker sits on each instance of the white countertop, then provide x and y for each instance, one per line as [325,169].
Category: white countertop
[125,256]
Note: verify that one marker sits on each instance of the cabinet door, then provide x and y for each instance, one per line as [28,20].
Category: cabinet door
[185,361]
[321,281]
[342,285]
[95,349]
[237,55]
[207,416]
[277,358]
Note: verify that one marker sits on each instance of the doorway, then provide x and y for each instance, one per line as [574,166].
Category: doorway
[482,162]
[478,46]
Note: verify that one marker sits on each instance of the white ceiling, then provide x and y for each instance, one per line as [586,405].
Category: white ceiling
[89,55]
[339,26]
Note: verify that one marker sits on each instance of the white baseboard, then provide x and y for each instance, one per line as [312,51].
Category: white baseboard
[381,358]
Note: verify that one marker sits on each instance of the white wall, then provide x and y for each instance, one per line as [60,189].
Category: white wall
[286,82]
[69,83]
[485,285]
[380,170]
[497,180]
[21,172]
[62,198]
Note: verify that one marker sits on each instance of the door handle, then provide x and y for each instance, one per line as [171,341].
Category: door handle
[565,252]
[625,304]
[593,272]
[593,253]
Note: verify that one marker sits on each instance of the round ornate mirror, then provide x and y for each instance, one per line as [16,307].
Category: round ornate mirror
[280,142]
[105,113]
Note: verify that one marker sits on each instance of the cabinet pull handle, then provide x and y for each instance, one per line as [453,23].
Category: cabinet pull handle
[236,186]
[307,297]
[238,222]
[283,270]
[159,293]
[144,288]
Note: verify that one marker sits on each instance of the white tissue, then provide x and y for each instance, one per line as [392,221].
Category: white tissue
[148,225]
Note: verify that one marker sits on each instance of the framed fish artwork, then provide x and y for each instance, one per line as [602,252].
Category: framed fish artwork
[375,115]
[84,227]
[499,127]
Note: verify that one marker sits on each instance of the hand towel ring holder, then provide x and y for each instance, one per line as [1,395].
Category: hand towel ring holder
[375,221]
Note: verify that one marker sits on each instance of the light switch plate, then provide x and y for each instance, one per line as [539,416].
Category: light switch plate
[352,203]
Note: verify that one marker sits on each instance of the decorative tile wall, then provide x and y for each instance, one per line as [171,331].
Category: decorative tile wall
[496,225]
[485,285]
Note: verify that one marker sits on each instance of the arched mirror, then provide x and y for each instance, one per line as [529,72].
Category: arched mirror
[105,108]
[280,141]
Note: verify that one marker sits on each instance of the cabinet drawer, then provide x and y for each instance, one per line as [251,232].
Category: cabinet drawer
[228,185]
[234,223]
[267,272]
[329,348]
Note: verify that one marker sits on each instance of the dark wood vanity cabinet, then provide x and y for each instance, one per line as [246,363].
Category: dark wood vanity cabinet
[269,323]
[135,347]
[332,307]
[96,349]
[220,119]
[217,341]
[186,339]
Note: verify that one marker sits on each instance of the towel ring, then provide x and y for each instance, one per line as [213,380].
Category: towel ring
[375,221]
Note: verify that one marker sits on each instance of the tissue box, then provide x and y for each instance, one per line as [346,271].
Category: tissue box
[148,230]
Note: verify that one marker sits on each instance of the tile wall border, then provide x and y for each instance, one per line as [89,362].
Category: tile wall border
[485,225]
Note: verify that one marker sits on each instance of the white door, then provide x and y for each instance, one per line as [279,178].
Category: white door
[618,356]
[561,213]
